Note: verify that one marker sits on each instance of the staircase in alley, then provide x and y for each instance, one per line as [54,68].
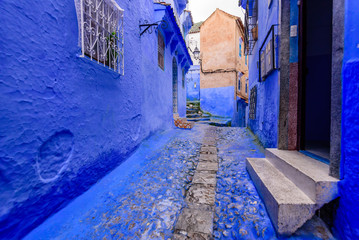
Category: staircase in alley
[194,113]
[292,185]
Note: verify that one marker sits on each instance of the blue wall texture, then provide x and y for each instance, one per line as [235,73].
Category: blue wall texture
[218,101]
[193,83]
[265,126]
[66,121]
[347,221]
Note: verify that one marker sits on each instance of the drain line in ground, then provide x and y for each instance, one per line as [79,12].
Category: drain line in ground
[196,220]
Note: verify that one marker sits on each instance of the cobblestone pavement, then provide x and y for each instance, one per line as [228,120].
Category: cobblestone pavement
[140,199]
[144,197]
[240,213]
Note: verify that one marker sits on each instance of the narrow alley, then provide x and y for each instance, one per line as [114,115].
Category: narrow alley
[179,119]
[147,197]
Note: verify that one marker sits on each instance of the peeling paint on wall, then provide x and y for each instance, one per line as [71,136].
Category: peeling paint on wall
[54,155]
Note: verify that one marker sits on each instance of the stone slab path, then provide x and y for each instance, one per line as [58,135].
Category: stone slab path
[196,220]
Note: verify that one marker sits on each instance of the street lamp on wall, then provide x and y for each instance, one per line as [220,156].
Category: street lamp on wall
[195,52]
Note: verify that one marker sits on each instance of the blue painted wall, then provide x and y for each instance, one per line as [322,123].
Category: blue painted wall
[265,126]
[347,221]
[66,121]
[218,101]
[193,83]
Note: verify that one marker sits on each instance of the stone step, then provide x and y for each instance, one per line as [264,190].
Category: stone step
[192,111]
[288,206]
[193,115]
[200,119]
[310,175]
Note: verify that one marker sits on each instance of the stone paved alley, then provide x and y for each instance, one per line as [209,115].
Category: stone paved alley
[158,194]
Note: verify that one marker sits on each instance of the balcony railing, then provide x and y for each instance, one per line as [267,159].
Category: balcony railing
[251,26]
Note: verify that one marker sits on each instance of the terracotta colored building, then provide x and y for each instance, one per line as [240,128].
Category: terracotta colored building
[223,67]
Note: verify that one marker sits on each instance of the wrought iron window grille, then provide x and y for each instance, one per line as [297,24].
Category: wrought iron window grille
[150,27]
[267,54]
[101,32]
[253,103]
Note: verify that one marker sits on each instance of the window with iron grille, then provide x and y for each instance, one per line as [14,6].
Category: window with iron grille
[101,32]
[161,51]
[253,103]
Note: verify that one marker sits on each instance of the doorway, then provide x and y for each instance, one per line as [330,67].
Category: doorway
[315,76]
[175,85]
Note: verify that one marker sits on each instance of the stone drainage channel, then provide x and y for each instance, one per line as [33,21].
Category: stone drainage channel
[196,220]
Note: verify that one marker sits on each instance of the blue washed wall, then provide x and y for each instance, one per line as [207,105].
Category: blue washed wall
[218,101]
[192,77]
[265,126]
[65,121]
[347,221]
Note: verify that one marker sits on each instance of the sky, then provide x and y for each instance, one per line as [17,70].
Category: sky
[202,9]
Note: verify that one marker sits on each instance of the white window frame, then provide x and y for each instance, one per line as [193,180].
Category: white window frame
[101,32]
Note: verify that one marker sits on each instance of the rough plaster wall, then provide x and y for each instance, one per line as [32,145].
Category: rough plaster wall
[265,126]
[67,121]
[218,47]
[218,101]
[220,51]
[216,97]
[214,80]
[347,221]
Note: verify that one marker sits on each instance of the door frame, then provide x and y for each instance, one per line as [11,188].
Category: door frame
[285,116]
